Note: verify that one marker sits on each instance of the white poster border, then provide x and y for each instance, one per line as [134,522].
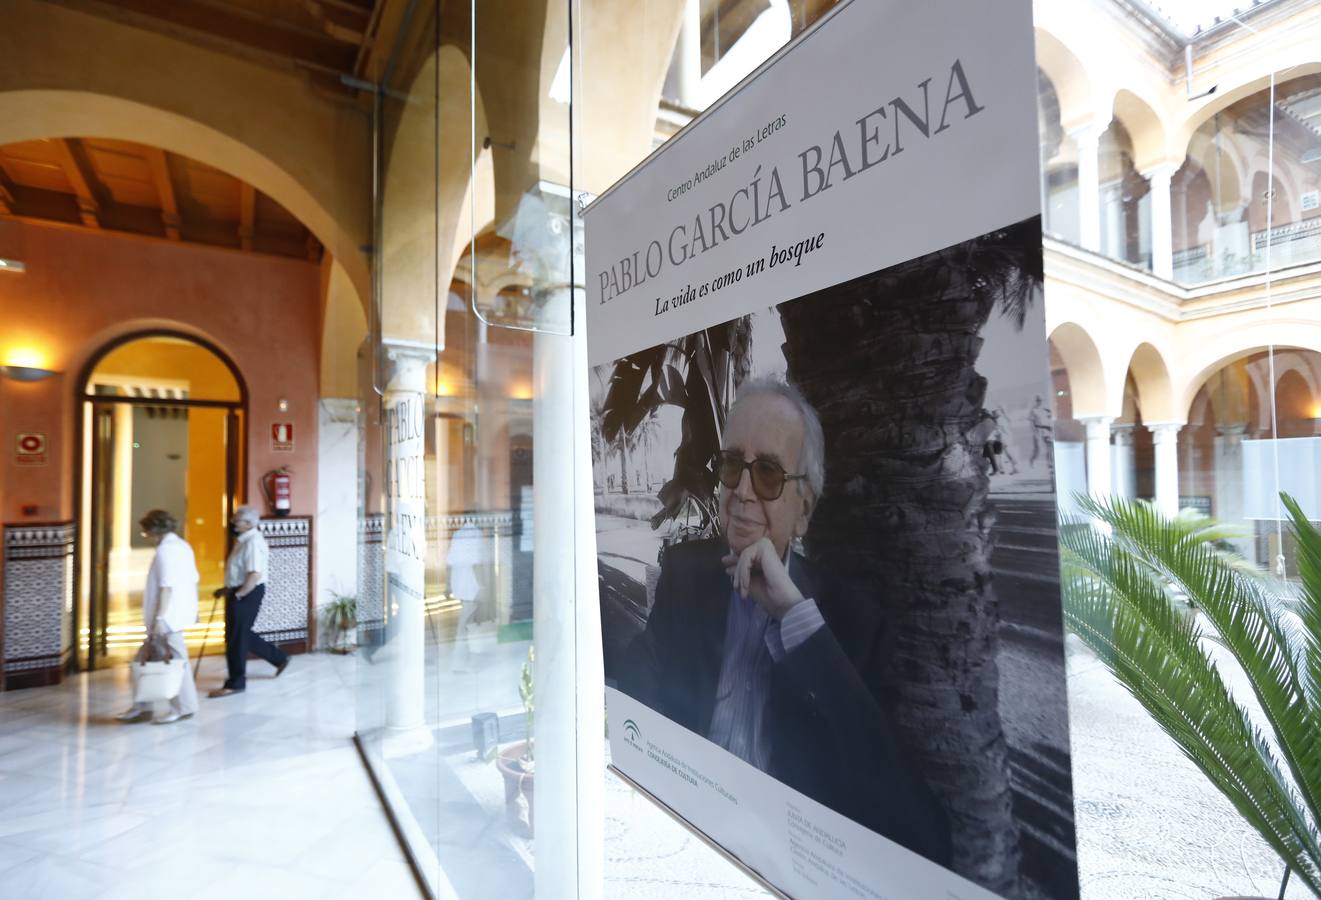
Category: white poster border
[995,43]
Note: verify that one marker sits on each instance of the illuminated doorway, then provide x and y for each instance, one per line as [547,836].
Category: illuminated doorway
[162,428]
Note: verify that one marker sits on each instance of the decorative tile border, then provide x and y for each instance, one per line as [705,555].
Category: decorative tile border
[283,617]
[37,602]
[371,574]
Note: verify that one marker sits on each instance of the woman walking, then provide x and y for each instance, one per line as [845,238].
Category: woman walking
[169,605]
[245,586]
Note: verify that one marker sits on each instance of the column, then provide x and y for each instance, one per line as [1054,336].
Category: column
[1088,141]
[1123,465]
[1098,455]
[488,384]
[1228,504]
[569,726]
[689,53]
[405,550]
[1166,436]
[1162,220]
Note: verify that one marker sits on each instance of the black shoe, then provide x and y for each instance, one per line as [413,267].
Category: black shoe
[279,670]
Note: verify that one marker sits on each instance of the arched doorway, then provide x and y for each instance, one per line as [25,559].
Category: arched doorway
[1254,428]
[162,419]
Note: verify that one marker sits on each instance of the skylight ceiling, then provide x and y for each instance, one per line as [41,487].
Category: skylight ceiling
[1188,17]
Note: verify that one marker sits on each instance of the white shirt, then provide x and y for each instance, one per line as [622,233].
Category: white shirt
[250,554]
[468,550]
[173,567]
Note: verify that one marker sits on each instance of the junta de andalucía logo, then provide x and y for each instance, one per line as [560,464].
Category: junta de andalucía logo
[632,733]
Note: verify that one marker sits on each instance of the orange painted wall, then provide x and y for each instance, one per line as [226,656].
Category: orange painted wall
[82,289]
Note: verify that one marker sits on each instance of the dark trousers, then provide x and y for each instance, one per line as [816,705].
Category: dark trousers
[240,639]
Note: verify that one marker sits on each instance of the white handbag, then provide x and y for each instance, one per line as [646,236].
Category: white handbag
[154,678]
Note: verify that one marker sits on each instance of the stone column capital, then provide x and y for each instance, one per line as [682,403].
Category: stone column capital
[1085,134]
[1098,427]
[406,365]
[1164,432]
[1122,432]
[1160,172]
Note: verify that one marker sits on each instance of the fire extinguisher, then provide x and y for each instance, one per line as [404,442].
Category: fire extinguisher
[277,485]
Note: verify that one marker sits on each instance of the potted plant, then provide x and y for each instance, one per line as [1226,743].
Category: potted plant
[517,762]
[340,619]
[1122,592]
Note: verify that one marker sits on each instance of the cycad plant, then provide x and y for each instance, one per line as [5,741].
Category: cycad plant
[1123,586]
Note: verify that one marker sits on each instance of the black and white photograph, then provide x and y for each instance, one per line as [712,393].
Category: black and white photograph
[826,544]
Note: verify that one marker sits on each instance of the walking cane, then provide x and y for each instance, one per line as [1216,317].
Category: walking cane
[205,635]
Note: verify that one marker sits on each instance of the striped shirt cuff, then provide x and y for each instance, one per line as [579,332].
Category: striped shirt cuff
[798,624]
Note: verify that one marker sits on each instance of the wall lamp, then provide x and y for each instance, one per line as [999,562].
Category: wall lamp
[12,265]
[26,373]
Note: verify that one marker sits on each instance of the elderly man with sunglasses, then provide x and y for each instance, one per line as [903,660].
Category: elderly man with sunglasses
[753,647]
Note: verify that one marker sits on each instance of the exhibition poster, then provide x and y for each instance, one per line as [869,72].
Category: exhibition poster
[822,459]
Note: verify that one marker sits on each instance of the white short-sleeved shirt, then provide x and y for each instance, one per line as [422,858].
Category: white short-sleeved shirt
[173,567]
[250,554]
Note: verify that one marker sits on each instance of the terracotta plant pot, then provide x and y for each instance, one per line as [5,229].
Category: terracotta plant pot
[511,761]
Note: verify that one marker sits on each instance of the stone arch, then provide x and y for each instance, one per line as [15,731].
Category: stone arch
[91,348]
[1244,390]
[1072,84]
[1288,361]
[1082,360]
[27,115]
[1298,60]
[1145,129]
[1155,387]
[1285,205]
[1210,356]
[1257,379]
[626,50]
[1296,403]
[428,201]
[1225,166]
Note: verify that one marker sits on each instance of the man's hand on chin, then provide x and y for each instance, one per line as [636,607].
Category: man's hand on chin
[759,573]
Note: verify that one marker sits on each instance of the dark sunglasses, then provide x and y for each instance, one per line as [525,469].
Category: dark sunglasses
[768,476]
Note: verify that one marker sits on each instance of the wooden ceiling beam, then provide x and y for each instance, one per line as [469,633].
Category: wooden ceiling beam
[334,22]
[160,175]
[80,179]
[247,214]
[357,7]
[8,203]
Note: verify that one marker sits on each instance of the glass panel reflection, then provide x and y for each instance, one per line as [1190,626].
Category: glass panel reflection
[474,256]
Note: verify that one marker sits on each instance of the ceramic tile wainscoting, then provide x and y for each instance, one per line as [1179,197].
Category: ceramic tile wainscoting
[37,604]
[287,609]
[371,578]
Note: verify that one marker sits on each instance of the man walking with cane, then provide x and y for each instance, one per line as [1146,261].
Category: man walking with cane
[245,587]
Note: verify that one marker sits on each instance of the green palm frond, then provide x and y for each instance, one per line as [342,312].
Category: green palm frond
[1308,603]
[1119,588]
[1247,620]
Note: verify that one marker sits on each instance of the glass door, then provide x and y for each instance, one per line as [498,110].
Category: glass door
[175,456]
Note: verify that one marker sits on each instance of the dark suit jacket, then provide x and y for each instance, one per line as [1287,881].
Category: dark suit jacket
[830,736]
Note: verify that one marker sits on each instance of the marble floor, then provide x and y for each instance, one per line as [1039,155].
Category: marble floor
[264,792]
[261,793]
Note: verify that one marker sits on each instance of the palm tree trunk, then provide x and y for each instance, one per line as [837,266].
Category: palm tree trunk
[889,363]
[623,461]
